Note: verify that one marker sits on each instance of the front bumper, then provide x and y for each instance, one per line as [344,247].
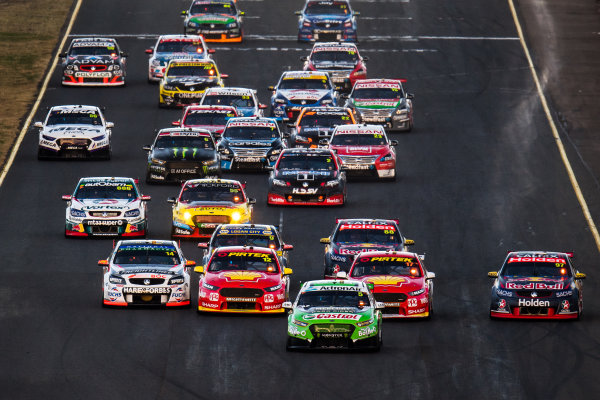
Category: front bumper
[200,229]
[109,227]
[179,98]
[267,303]
[178,173]
[289,199]
[313,34]
[93,79]
[247,163]
[541,308]
[359,339]
[126,295]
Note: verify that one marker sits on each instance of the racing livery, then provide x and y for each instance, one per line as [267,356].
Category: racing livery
[352,236]
[94,61]
[342,61]
[215,20]
[203,204]
[171,47]
[299,89]
[243,279]
[186,80]
[334,315]
[327,20]
[315,124]
[365,151]
[179,154]
[74,131]
[146,273]
[211,118]
[244,100]
[246,235]
[382,101]
[307,177]
[106,206]
[537,285]
[250,143]
[400,281]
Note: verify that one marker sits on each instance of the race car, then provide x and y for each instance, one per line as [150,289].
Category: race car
[211,118]
[352,236]
[365,151]
[106,206]
[172,47]
[382,101]
[146,273]
[342,61]
[256,235]
[299,89]
[537,285]
[203,204]
[74,131]
[244,100]
[186,80]
[400,281]
[336,314]
[94,61]
[250,143]
[317,123]
[310,177]
[327,20]
[215,20]
[179,154]
[243,279]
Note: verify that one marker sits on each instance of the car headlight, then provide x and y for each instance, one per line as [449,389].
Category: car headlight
[279,182]
[224,150]
[209,162]
[70,66]
[77,213]
[327,102]
[48,138]
[305,22]
[299,323]
[273,288]
[401,111]
[236,216]
[365,323]
[157,161]
[169,87]
[132,213]
[192,24]
[209,286]
[176,280]
[187,216]
[332,183]
[117,280]
[232,25]
[417,292]
[387,157]
[155,63]
[348,23]
[280,101]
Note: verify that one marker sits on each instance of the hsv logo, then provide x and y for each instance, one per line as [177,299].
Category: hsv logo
[532,285]
[242,276]
[386,280]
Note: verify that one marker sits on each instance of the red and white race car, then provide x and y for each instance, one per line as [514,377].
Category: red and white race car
[211,118]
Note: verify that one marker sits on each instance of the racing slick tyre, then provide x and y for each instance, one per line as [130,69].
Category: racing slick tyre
[374,343]
[291,342]
[105,154]
[43,154]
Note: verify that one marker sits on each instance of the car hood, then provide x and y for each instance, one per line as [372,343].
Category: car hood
[306,176]
[212,18]
[355,248]
[107,60]
[105,204]
[191,80]
[534,283]
[361,150]
[326,18]
[333,314]
[303,94]
[183,154]
[74,130]
[375,103]
[392,283]
[166,57]
[246,279]
[316,131]
[146,269]
[248,143]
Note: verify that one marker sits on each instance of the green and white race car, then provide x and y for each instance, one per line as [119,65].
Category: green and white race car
[334,314]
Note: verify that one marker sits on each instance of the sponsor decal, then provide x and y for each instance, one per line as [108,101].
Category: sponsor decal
[565,305]
[354,317]
[253,124]
[241,299]
[272,307]
[104,223]
[337,258]
[209,305]
[417,311]
[367,331]
[537,259]
[505,293]
[213,296]
[413,303]
[564,293]
[384,84]
[269,298]
[367,226]
[242,276]
[533,303]
[146,290]
[392,304]
[292,330]
[386,280]
[501,304]
[340,288]
[183,170]
[424,300]
[533,285]
[179,231]
[304,190]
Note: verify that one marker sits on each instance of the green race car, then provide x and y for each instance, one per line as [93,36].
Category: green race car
[334,314]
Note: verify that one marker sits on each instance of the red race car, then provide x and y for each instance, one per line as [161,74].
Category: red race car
[399,280]
[243,279]
[342,60]
[211,118]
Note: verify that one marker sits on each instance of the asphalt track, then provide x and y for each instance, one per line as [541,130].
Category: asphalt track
[479,175]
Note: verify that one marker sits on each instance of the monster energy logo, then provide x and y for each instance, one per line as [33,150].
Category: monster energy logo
[184,150]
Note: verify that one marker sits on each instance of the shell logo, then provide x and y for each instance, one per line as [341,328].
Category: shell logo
[242,276]
[386,280]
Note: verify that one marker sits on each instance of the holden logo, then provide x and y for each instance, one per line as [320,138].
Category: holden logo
[146,282]
[193,88]
[533,294]
[303,102]
[105,214]
[212,25]
[327,25]
[93,68]
[304,184]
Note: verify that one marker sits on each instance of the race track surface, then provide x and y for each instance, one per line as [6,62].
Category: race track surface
[479,175]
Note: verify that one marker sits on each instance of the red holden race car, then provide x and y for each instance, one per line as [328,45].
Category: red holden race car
[399,280]
[211,118]
[243,279]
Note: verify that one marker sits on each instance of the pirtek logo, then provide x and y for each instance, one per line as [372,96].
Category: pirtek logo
[534,303]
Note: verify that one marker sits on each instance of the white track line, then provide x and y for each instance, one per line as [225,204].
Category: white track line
[558,141]
[36,105]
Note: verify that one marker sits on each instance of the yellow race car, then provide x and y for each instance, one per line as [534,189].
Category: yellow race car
[185,81]
[204,204]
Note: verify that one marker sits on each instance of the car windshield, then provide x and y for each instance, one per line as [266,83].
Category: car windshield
[327,7]
[70,117]
[358,140]
[386,265]
[533,269]
[333,298]
[199,118]
[211,192]
[269,241]
[178,46]
[207,70]
[311,119]
[243,261]
[346,57]
[184,142]
[234,100]
[386,235]
[105,190]
[304,162]
[315,84]
[108,50]
[377,93]
[213,8]
[147,254]
[250,132]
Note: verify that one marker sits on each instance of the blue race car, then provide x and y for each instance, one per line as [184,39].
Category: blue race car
[327,20]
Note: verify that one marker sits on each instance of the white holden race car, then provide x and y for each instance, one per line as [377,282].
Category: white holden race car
[106,206]
[74,131]
[146,272]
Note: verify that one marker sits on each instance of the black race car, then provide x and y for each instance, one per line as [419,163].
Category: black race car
[317,123]
[307,177]
[94,61]
[537,285]
[179,154]
[351,236]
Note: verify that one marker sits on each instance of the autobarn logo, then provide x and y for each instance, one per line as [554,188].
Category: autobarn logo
[104,223]
[146,290]
[533,303]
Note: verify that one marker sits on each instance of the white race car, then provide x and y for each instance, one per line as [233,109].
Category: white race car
[146,272]
[106,206]
[74,131]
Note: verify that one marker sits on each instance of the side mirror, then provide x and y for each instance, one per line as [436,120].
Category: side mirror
[287,305]
[325,240]
[203,245]
[380,305]
[124,55]
[304,58]
[149,51]
[287,271]
[409,242]
[493,274]
[271,88]
[262,106]
[242,13]
[430,275]
[356,13]
[190,263]
[171,200]
[298,12]
[211,51]
[39,124]
[269,168]
[176,123]
[224,76]
[365,58]
[410,96]
[580,275]
[251,201]
[147,148]
[184,13]
[145,197]
[324,142]
[110,124]
[103,263]
[62,55]
[67,197]
[288,247]
[393,143]
[199,269]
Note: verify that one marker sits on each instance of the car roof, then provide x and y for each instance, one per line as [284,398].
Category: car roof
[105,178]
[366,221]
[75,106]
[246,249]
[146,241]
[233,90]
[334,283]
[213,180]
[246,227]
[187,131]
[300,150]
